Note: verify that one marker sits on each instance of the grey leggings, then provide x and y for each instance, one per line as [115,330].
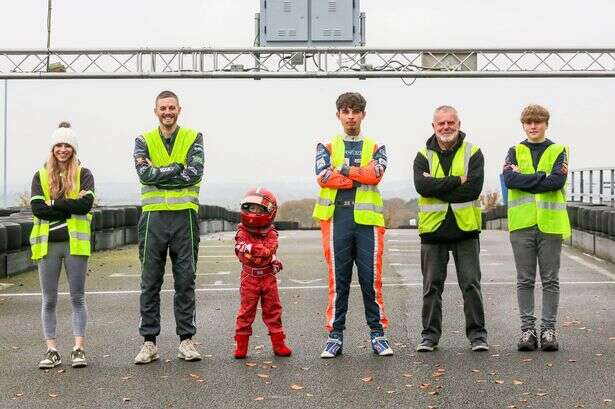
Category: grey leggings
[49,273]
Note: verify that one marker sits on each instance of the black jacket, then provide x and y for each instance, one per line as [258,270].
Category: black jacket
[538,182]
[449,189]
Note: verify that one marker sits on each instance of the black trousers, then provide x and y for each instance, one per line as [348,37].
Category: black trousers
[434,259]
[175,233]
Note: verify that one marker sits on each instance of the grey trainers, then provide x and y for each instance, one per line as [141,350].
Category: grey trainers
[187,351]
[427,345]
[147,354]
[77,357]
[51,360]
[548,341]
[479,345]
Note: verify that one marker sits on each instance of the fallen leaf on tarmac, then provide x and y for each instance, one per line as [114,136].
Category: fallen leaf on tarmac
[516,382]
[408,385]
[572,360]
[437,374]
[541,394]
[259,398]
[106,356]
[201,380]
[549,365]
[499,382]
[495,355]
[407,375]
[598,354]
[250,364]
[309,395]
[54,395]
[611,338]
[268,362]
[273,366]
[305,368]
[579,406]
[208,356]
[526,360]
[296,387]
[61,370]
[195,376]
[15,348]
[511,407]
[367,379]
[424,386]
[475,370]
[126,399]
[492,373]
[259,347]
[167,361]
[125,378]
[432,407]
[608,401]
[391,392]
[262,375]
[434,393]
[523,400]
[18,395]
[481,380]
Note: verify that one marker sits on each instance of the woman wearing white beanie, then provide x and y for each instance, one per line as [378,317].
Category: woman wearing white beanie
[62,197]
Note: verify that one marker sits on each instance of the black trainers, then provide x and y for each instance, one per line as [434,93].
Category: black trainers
[528,340]
[548,341]
[427,345]
[51,360]
[77,357]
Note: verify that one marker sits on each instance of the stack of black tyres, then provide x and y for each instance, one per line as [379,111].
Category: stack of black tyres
[104,237]
[131,222]
[3,247]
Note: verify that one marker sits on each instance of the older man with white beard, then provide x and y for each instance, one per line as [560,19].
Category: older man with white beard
[448,175]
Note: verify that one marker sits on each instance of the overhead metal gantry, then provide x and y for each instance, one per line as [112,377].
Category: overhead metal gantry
[266,62]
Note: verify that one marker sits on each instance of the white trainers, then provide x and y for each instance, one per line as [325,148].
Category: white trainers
[147,354]
[187,351]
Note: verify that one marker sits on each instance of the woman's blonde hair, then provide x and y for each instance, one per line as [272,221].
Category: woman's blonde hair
[61,183]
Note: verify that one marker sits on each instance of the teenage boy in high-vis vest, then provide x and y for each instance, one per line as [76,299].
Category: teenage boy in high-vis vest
[350,210]
[169,163]
[535,173]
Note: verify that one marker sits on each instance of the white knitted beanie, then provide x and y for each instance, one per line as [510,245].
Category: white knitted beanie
[64,134]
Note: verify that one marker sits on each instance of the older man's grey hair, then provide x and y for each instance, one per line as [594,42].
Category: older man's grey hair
[445,108]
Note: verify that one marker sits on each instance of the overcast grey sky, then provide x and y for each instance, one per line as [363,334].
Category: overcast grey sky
[265,131]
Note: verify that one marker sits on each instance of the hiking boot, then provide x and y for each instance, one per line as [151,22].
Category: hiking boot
[479,345]
[147,354]
[279,347]
[241,346]
[548,341]
[187,351]
[528,340]
[380,344]
[333,347]
[77,357]
[427,345]
[51,360]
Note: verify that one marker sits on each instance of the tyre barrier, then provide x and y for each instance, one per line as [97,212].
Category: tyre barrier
[112,227]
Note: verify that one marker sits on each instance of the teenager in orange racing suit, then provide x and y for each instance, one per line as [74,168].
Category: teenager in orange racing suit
[256,243]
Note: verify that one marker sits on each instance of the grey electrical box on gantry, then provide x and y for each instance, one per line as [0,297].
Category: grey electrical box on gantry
[300,23]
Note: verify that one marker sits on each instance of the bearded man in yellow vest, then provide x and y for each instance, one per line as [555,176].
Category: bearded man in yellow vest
[350,211]
[535,173]
[448,176]
[169,163]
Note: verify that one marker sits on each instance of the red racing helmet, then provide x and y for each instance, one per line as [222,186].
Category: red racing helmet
[262,197]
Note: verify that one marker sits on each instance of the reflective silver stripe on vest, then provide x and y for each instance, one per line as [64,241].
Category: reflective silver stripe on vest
[368,206]
[149,189]
[521,201]
[465,205]
[79,236]
[38,240]
[368,188]
[551,205]
[432,208]
[324,202]
[169,200]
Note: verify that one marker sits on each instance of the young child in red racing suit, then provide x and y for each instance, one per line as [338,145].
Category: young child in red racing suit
[256,243]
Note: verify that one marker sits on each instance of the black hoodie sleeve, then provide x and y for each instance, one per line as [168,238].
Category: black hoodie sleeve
[557,178]
[40,209]
[82,205]
[516,180]
[470,190]
[429,186]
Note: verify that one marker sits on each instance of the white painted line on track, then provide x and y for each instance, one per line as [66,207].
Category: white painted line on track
[219,256]
[220,273]
[592,266]
[228,246]
[418,264]
[303,287]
